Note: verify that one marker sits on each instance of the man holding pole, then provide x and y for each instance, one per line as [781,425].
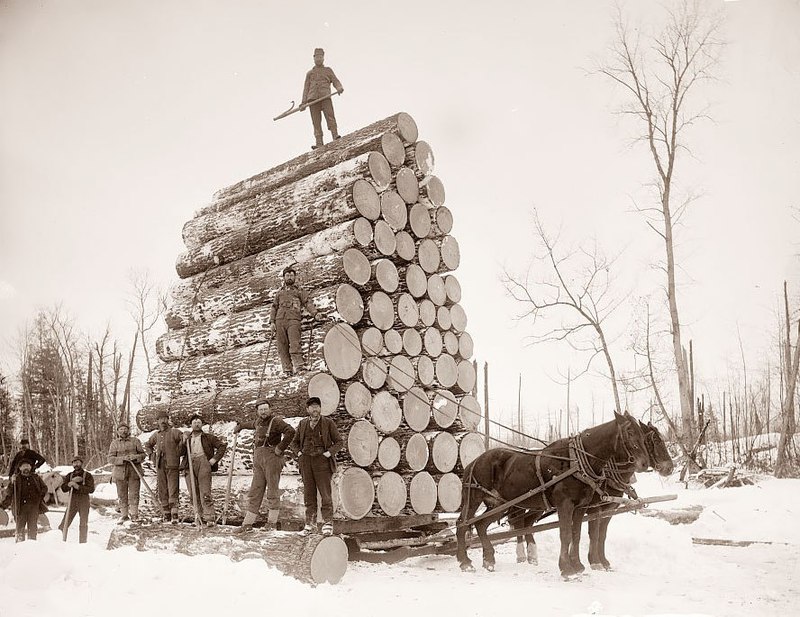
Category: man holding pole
[203,453]
[26,498]
[80,484]
[126,455]
[286,315]
[318,86]
[164,449]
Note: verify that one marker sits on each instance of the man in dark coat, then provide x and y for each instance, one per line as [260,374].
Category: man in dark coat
[164,448]
[205,450]
[315,443]
[285,314]
[25,454]
[26,499]
[317,85]
[80,484]
[271,439]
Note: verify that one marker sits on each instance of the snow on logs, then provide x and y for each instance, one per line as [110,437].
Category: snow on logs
[364,224]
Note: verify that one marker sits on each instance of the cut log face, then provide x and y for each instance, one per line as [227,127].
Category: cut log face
[443,219]
[401,374]
[450,343]
[385,413]
[469,412]
[407,128]
[385,240]
[380,171]
[416,281]
[393,210]
[436,290]
[466,376]
[385,273]
[446,370]
[417,409]
[465,346]
[443,318]
[326,388]
[449,492]
[349,304]
[404,246]
[432,340]
[372,341]
[354,494]
[362,443]
[342,351]
[407,185]
[362,230]
[412,342]
[393,149]
[420,219]
[422,493]
[393,341]
[357,399]
[450,252]
[452,288]
[366,200]
[389,453]
[392,493]
[374,372]
[434,190]
[417,453]
[381,310]
[444,452]
[427,312]
[458,318]
[423,158]
[407,310]
[426,371]
[428,255]
[357,266]
[445,408]
[470,447]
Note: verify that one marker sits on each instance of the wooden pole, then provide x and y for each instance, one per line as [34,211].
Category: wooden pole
[486,404]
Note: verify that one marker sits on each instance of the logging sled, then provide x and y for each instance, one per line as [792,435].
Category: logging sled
[363,224]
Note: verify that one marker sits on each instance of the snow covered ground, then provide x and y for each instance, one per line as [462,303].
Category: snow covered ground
[657,571]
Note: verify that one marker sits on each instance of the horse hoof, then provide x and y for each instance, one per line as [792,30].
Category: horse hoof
[520,559]
[467,567]
[489,567]
[533,561]
[597,566]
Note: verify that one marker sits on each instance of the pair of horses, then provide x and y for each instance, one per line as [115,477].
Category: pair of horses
[568,476]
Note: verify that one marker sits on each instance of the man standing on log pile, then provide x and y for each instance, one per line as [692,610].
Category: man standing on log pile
[285,315]
[80,483]
[25,454]
[271,439]
[26,499]
[124,454]
[164,448]
[316,441]
[206,450]
[318,86]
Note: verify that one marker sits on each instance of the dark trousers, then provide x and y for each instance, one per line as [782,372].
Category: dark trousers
[79,504]
[201,470]
[267,468]
[288,334]
[27,517]
[168,489]
[316,474]
[317,110]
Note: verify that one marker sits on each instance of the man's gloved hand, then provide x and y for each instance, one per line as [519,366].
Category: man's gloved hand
[340,90]
[212,461]
[237,428]
[326,454]
[278,451]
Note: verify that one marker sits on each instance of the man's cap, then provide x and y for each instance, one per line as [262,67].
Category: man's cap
[289,269]
[125,424]
[26,462]
[258,402]
[76,458]
[314,400]
[163,414]
[24,442]
[318,51]
[195,416]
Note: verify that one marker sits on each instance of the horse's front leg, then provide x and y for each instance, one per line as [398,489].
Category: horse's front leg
[488,550]
[461,535]
[565,512]
[575,544]
[603,530]
[530,543]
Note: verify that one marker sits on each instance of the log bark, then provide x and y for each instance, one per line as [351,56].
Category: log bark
[342,351]
[326,389]
[412,342]
[311,559]
[417,409]
[402,375]
[422,493]
[385,412]
[448,489]
[357,399]
[389,453]
[407,185]
[393,210]
[419,217]
[362,443]
[391,492]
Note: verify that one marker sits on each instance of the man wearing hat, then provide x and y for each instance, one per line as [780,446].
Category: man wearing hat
[80,484]
[164,448]
[271,439]
[318,84]
[205,450]
[285,315]
[126,455]
[26,499]
[25,454]
[315,443]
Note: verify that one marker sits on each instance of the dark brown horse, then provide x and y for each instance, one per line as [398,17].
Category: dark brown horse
[566,475]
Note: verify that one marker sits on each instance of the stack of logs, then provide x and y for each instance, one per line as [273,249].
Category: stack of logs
[363,222]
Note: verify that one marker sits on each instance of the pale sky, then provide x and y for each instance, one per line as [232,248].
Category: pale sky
[119,119]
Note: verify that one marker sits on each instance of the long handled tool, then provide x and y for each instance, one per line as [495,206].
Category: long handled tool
[146,485]
[293,110]
[197,519]
[65,522]
[230,480]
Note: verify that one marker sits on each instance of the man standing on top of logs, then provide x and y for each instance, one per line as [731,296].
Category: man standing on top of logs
[25,454]
[272,436]
[206,450]
[318,85]
[285,316]
[126,455]
[164,449]
[315,443]
[80,484]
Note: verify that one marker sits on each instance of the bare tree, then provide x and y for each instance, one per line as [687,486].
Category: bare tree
[575,288]
[146,306]
[659,79]
[791,364]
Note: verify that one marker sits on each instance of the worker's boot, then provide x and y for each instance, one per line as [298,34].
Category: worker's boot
[272,519]
[319,143]
[247,524]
